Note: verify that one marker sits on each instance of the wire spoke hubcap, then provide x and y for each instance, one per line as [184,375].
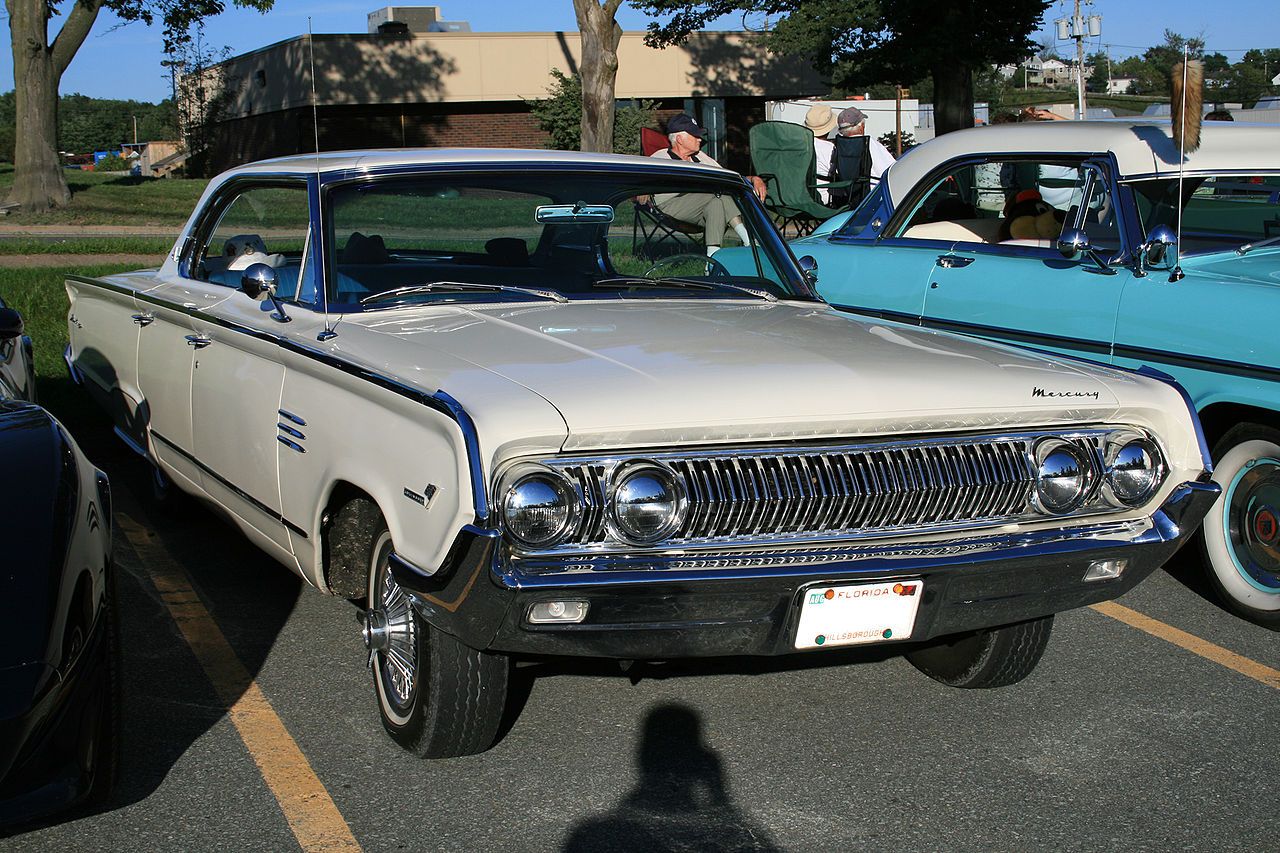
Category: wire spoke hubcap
[390,635]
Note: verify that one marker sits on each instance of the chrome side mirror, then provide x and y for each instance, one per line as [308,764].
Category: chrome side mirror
[259,282]
[809,266]
[1160,252]
[1073,244]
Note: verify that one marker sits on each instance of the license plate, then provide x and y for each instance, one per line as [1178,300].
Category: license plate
[858,613]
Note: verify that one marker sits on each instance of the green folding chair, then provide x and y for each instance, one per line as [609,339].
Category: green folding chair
[782,154]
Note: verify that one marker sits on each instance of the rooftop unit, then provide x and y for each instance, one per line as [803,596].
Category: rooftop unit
[417,19]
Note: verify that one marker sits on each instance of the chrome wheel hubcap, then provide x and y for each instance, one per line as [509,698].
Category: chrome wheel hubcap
[390,635]
[1253,522]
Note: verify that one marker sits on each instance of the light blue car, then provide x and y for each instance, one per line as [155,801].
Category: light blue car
[1097,239]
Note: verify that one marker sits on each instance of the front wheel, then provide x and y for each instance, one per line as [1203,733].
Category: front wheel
[1241,541]
[437,697]
[992,657]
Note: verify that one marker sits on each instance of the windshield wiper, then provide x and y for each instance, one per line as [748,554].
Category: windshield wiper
[640,281]
[1247,247]
[460,286]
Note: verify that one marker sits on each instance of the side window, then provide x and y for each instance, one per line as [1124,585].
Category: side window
[261,225]
[1018,202]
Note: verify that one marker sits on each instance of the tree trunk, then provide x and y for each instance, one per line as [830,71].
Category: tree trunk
[600,35]
[952,97]
[38,183]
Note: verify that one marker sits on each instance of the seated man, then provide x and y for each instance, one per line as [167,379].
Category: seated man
[713,212]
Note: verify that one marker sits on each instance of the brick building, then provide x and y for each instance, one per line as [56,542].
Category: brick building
[446,86]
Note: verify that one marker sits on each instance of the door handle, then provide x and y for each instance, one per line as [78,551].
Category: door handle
[198,341]
[954,262]
[144,319]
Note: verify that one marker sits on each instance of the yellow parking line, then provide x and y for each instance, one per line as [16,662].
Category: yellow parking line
[1205,649]
[312,816]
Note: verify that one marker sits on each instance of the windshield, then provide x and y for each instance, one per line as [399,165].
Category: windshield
[1218,213]
[549,236]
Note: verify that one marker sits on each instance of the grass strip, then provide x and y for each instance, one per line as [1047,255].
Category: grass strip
[39,294]
[115,200]
[158,246]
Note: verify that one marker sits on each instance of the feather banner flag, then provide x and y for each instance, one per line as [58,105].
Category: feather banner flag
[1187,106]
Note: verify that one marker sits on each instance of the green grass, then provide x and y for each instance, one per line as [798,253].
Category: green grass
[158,246]
[115,200]
[39,295]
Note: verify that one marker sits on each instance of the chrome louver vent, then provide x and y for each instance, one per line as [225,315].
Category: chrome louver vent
[770,495]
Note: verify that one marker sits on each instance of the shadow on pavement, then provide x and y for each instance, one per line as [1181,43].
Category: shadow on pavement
[169,701]
[681,801]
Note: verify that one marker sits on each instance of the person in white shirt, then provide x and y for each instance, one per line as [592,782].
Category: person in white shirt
[821,120]
[853,122]
[715,213]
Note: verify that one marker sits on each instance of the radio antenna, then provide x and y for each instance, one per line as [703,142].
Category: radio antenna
[316,235]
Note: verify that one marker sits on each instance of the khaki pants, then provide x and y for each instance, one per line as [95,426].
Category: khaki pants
[712,212]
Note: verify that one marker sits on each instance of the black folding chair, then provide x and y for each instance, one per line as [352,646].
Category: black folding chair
[851,162]
[655,234]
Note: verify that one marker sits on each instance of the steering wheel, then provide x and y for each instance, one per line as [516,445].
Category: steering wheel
[712,267]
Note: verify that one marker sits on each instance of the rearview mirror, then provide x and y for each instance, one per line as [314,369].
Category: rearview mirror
[573,214]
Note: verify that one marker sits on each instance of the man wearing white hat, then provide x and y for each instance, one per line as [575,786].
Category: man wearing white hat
[821,120]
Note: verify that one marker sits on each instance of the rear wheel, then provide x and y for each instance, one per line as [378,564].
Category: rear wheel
[437,697]
[993,657]
[1241,540]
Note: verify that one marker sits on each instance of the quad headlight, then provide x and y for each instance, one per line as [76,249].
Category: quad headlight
[646,503]
[540,507]
[1133,470]
[1064,474]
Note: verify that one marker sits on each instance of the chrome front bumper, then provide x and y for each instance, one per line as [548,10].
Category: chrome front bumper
[747,602]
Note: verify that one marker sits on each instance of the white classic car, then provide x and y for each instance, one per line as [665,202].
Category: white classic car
[447,383]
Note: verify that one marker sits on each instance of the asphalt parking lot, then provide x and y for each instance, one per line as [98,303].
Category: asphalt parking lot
[250,725]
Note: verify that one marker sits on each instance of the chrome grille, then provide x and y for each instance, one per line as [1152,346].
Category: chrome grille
[848,491]
[851,491]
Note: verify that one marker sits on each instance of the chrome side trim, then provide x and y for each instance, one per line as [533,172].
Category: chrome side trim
[291,445]
[72,370]
[291,417]
[257,504]
[439,401]
[130,443]
[1160,375]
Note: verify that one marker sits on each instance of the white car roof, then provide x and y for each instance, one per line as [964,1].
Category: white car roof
[1141,148]
[339,161]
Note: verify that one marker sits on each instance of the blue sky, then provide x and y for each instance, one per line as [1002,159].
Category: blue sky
[124,61]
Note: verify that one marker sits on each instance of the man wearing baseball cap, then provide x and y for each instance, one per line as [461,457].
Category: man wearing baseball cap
[853,122]
[715,213]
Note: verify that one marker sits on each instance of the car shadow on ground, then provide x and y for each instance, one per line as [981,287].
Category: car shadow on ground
[681,801]
[168,700]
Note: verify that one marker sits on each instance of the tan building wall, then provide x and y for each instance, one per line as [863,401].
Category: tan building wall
[488,67]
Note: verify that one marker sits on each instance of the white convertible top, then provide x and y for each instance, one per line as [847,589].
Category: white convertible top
[1141,148]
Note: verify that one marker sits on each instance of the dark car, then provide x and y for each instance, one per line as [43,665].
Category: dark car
[17,374]
[59,687]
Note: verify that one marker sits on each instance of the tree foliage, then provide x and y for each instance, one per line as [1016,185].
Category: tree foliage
[859,42]
[40,58]
[560,115]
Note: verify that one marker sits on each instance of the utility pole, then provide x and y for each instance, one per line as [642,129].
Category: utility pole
[898,119]
[1079,28]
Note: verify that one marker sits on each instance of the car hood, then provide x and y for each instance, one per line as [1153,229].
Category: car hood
[1260,266]
[634,373]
